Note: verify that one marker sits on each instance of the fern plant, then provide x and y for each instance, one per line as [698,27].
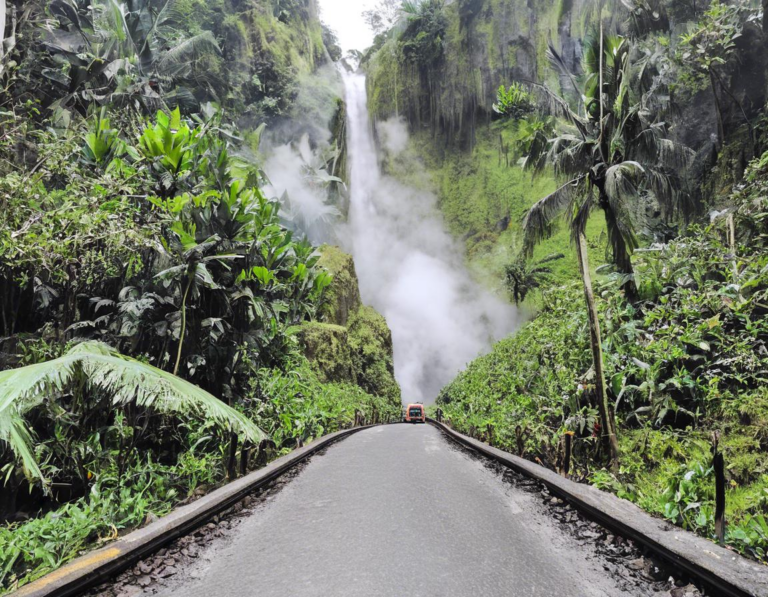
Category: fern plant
[121,380]
[515,101]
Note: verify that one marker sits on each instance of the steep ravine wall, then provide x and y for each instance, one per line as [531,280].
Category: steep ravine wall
[487,43]
[351,342]
[492,42]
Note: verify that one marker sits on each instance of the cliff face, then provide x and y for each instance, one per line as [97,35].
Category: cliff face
[351,342]
[486,43]
[447,103]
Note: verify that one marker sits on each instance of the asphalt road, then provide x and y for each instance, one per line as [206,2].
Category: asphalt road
[397,511]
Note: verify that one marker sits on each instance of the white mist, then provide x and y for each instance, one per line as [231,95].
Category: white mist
[410,269]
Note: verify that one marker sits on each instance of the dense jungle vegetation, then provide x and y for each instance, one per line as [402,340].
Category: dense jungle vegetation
[153,300]
[166,327]
[604,161]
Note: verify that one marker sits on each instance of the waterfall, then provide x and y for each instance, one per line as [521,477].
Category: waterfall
[412,271]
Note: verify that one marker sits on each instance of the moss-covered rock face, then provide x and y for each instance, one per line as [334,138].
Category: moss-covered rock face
[370,341]
[487,43]
[268,48]
[328,350]
[353,343]
[343,296]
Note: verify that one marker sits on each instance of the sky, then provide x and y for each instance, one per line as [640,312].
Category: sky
[345,18]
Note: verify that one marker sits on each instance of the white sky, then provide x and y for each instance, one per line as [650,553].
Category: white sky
[345,18]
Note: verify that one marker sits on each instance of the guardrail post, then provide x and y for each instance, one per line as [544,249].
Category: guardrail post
[718,463]
[521,437]
[232,457]
[244,456]
[567,451]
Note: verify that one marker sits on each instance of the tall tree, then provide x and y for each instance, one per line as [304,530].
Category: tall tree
[607,157]
[765,16]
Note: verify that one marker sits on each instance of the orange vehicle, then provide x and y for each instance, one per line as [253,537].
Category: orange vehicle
[414,413]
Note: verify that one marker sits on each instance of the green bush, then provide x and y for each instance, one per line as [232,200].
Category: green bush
[686,360]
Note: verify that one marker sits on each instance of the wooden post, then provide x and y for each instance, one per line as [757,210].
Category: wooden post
[567,453]
[232,458]
[521,436]
[732,245]
[719,465]
[244,456]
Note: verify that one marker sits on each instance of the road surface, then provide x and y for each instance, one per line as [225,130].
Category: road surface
[391,512]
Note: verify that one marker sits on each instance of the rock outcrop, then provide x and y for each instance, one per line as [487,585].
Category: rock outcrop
[351,342]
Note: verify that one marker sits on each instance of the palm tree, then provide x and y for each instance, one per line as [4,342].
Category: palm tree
[96,367]
[608,156]
[614,152]
[522,277]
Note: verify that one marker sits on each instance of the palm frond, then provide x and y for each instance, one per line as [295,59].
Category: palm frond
[411,7]
[668,190]
[620,183]
[570,155]
[548,259]
[123,379]
[23,389]
[622,191]
[539,221]
[558,106]
[674,156]
[580,213]
[187,50]
[559,64]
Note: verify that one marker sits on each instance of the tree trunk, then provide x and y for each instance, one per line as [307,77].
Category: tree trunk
[183,324]
[765,16]
[718,110]
[621,253]
[607,423]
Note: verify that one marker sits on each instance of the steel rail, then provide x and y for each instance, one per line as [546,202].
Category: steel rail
[101,565]
[717,567]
